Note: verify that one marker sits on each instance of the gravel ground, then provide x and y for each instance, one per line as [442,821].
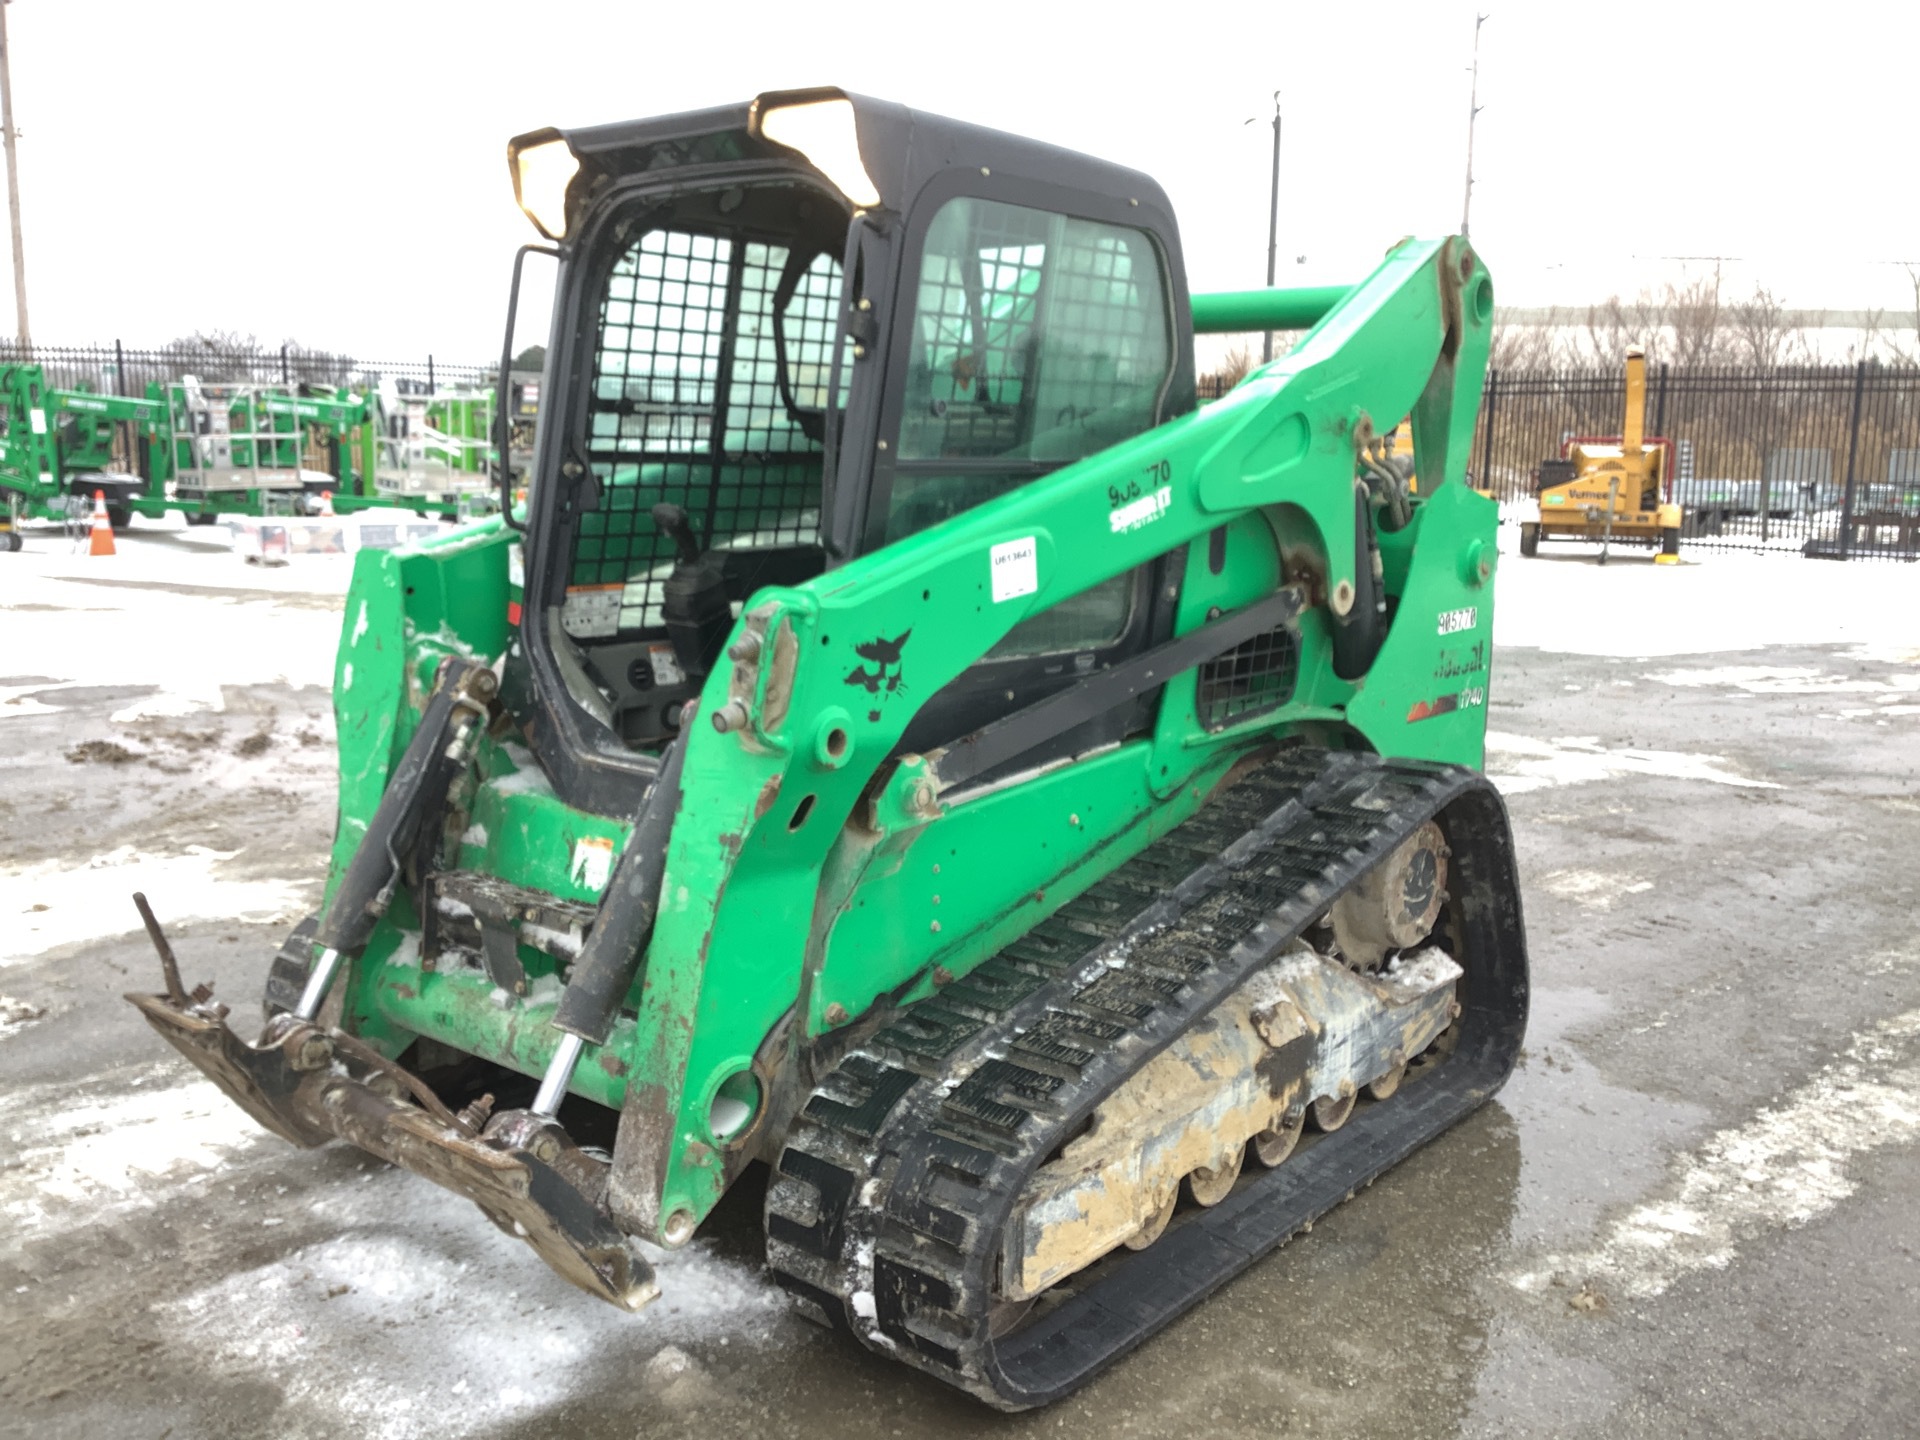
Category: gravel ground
[1689,1213]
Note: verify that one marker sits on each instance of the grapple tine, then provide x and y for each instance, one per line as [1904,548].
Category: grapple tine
[169,967]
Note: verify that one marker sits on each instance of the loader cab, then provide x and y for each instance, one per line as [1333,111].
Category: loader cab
[791,333]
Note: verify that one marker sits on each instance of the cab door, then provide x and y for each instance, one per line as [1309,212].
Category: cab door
[1026,339]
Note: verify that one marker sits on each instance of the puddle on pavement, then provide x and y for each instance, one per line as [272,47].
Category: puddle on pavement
[1585,1143]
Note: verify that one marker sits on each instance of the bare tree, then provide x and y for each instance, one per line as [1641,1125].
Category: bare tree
[1530,347]
[1614,324]
[1234,367]
[214,355]
[1692,315]
[228,355]
[305,364]
[1900,350]
[1684,323]
[1761,335]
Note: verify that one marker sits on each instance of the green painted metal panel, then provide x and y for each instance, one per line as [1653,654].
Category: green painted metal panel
[803,881]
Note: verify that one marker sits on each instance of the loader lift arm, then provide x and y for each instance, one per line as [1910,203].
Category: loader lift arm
[1412,337]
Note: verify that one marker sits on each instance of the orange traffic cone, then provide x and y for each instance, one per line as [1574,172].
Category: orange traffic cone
[326,502]
[102,541]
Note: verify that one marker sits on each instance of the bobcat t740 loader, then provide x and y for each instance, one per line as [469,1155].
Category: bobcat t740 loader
[902,740]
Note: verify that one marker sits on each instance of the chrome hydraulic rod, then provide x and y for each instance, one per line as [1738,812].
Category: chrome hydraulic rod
[553,1085]
[318,984]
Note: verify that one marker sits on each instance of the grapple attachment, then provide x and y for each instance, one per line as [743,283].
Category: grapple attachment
[309,1085]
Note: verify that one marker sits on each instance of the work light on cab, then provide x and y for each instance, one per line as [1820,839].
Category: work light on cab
[824,130]
[541,173]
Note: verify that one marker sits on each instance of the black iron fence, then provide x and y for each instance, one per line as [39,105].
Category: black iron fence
[118,369]
[1822,461]
[1812,460]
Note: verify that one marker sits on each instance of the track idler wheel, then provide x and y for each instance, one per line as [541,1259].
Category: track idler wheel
[1384,1087]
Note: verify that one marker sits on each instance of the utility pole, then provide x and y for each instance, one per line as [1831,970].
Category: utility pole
[1473,114]
[1273,223]
[13,185]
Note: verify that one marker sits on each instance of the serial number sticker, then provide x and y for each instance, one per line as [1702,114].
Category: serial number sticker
[592,862]
[591,611]
[1452,622]
[1015,568]
[1144,511]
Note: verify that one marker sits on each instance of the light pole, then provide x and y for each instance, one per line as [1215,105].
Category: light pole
[1473,113]
[1273,222]
[13,184]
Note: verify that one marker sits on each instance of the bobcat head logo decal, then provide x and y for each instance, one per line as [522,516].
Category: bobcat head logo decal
[882,675]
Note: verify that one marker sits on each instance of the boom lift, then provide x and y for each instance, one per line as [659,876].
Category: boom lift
[207,449]
[56,444]
[425,451]
[905,742]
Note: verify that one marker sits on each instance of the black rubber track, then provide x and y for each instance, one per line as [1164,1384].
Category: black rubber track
[887,1207]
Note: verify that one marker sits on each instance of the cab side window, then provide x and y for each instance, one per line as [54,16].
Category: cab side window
[1037,339]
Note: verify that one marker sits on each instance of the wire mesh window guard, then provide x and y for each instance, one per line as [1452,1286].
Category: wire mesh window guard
[1038,339]
[688,407]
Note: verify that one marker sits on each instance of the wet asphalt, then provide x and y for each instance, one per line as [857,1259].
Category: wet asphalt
[1723,949]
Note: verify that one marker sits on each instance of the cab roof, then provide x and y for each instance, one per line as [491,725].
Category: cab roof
[901,148]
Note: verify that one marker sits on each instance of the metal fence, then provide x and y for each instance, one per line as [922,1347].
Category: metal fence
[117,369]
[1822,461]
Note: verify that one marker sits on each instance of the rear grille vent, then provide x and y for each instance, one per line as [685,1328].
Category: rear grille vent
[1254,677]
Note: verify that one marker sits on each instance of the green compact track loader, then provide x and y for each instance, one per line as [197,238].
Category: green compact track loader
[903,741]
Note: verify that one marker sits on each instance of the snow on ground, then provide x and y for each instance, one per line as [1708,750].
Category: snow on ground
[130,631]
[347,1318]
[1783,1168]
[1713,602]
[1519,763]
[374,1266]
[60,903]
[126,1141]
[169,552]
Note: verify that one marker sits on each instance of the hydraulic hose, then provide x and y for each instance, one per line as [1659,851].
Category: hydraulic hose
[433,759]
[1358,634]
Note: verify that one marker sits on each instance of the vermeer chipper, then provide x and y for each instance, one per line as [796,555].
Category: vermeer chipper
[905,742]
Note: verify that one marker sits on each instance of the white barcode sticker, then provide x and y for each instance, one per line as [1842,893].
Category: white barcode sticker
[1015,567]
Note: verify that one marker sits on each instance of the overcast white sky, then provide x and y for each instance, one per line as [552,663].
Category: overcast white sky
[335,173]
